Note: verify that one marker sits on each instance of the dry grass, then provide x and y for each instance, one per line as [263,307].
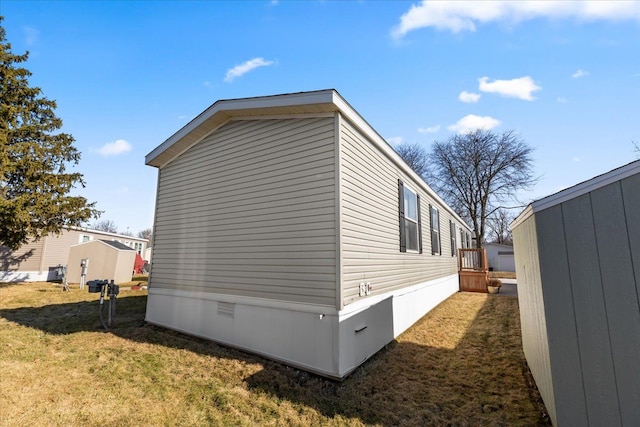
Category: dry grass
[462,364]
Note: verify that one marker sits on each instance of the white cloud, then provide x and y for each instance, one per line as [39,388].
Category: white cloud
[521,88]
[561,99]
[469,97]
[576,159]
[580,73]
[242,69]
[114,148]
[457,16]
[395,140]
[430,129]
[472,122]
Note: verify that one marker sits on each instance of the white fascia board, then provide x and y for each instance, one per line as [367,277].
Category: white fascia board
[228,106]
[107,233]
[578,190]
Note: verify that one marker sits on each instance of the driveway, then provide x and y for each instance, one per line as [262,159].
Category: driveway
[509,288]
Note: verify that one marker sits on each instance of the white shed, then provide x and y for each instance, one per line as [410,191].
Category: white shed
[578,265]
[500,257]
[286,226]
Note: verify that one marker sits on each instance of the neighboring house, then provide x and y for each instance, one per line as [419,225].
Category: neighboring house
[147,254]
[37,261]
[286,226]
[105,259]
[578,265]
[500,257]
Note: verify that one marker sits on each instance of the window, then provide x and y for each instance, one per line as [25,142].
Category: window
[468,240]
[410,224]
[434,215]
[462,239]
[452,233]
[84,238]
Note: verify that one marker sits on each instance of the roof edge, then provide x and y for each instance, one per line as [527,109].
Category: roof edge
[577,190]
[324,96]
[587,186]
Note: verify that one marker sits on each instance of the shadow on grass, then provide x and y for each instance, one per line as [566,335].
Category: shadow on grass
[406,383]
[412,384]
[72,317]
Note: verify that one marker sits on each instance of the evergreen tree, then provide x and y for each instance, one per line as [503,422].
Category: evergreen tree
[34,181]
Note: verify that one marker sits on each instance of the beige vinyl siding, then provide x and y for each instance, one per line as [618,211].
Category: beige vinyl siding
[250,211]
[27,258]
[56,250]
[370,223]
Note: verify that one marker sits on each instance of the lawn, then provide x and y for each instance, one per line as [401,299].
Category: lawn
[461,364]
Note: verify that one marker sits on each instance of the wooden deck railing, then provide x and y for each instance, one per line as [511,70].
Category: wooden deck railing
[473,270]
[473,259]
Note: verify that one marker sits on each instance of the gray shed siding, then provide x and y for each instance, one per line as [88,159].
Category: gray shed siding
[564,352]
[258,190]
[589,261]
[531,302]
[369,223]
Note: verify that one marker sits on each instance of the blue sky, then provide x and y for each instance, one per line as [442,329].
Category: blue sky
[127,75]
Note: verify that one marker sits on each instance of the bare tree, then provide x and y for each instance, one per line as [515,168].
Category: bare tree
[147,233]
[477,171]
[498,223]
[636,149]
[416,156]
[105,225]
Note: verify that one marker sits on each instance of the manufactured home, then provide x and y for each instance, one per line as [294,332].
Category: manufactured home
[287,226]
[38,260]
[578,264]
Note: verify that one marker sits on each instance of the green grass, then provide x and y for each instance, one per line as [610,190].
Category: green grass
[461,364]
